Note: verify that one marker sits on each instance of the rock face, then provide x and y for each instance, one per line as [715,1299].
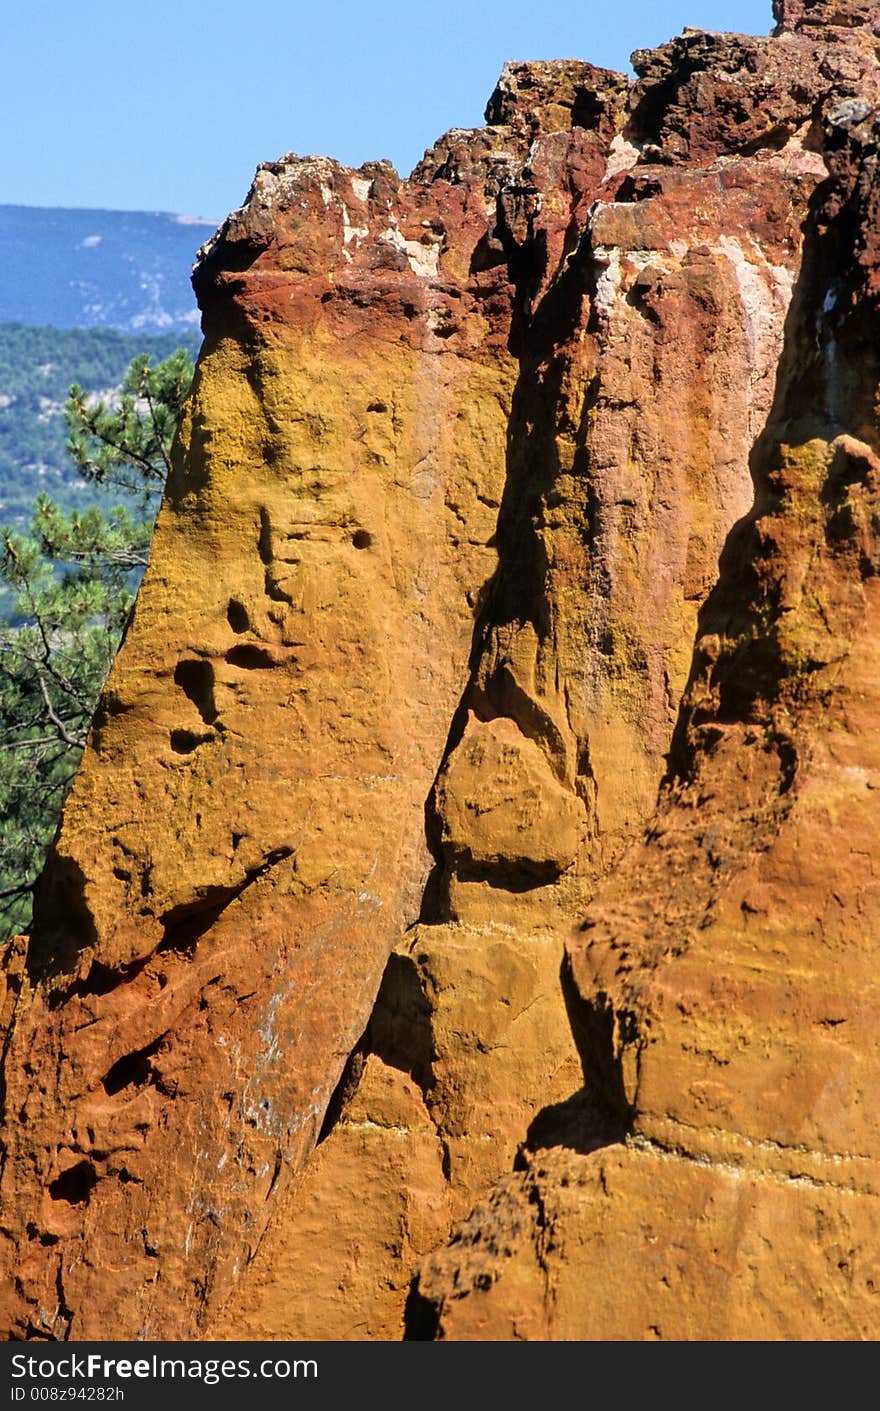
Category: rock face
[472,463]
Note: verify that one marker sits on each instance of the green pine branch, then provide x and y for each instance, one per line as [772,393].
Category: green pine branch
[72,578]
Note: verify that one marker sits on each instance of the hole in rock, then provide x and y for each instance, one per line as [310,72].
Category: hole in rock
[516,875]
[237,616]
[196,679]
[264,541]
[250,657]
[586,109]
[41,1236]
[362,539]
[421,1321]
[275,591]
[185,741]
[132,1070]
[101,980]
[187,923]
[75,1185]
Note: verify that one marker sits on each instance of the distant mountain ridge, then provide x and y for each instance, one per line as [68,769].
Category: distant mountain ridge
[79,268]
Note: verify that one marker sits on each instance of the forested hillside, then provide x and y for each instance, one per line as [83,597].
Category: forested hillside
[37,367]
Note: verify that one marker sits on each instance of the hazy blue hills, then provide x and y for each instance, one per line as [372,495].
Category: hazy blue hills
[127,270]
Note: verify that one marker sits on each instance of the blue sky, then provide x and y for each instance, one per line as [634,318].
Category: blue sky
[169,105]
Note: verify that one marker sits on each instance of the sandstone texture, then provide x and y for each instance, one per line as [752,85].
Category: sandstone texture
[464,922]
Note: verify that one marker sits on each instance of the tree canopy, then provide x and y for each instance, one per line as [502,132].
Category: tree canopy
[37,367]
[72,578]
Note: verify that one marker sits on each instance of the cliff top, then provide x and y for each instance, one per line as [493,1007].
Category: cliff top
[823,14]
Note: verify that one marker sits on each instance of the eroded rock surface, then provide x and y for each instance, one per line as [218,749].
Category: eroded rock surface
[726,967]
[413,657]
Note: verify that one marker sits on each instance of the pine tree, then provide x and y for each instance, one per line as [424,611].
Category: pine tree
[73,579]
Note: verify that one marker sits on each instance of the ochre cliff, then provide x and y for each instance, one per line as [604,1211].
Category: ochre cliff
[465,919]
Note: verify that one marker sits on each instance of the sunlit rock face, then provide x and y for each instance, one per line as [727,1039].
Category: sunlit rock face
[464,921]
